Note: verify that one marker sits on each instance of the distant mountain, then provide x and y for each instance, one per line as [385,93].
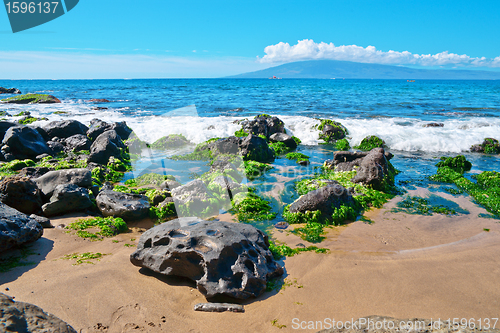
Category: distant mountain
[329,69]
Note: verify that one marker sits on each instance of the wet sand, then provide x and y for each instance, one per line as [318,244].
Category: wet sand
[403,266]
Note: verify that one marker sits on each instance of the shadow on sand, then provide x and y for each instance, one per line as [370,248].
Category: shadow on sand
[17,261]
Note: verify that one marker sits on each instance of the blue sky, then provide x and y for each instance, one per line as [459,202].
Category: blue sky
[188,38]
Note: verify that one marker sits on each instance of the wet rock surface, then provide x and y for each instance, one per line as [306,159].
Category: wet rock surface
[65,129]
[372,167]
[107,145]
[24,142]
[324,199]
[67,198]
[49,181]
[263,125]
[9,90]
[21,193]
[125,205]
[285,138]
[25,317]
[229,259]
[77,142]
[256,149]
[17,228]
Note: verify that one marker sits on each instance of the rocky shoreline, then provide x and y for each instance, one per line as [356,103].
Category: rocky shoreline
[67,167]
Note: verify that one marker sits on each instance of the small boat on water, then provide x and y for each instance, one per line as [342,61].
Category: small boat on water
[410,80]
[274,78]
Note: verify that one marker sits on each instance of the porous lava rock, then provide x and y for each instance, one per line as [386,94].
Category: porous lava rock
[223,258]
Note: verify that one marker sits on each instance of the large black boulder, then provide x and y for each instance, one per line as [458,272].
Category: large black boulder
[25,317]
[125,205]
[67,198]
[107,145]
[49,181]
[21,193]
[285,138]
[17,228]
[324,199]
[194,199]
[24,142]
[256,149]
[372,167]
[223,258]
[97,127]
[264,125]
[77,142]
[65,128]
[4,126]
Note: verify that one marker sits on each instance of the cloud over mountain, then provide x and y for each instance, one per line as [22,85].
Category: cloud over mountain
[307,49]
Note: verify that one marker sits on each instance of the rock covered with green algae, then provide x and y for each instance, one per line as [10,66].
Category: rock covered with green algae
[489,146]
[32,99]
[170,141]
[333,197]
[331,131]
[486,189]
[372,168]
[262,124]
[223,258]
[371,142]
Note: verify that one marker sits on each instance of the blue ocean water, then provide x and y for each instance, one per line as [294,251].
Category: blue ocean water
[200,109]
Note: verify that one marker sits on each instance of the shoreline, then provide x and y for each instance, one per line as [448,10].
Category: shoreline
[449,276]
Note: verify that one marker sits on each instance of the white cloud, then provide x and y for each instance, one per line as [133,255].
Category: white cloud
[307,49]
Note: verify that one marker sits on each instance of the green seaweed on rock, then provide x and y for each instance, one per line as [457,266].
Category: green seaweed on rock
[299,157]
[342,144]
[279,148]
[248,206]
[370,142]
[254,169]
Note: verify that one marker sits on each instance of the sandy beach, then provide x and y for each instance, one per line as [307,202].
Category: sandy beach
[403,266]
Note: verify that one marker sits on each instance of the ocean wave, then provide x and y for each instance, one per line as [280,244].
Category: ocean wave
[403,134]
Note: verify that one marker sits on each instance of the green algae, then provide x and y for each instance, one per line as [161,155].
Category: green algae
[299,157]
[108,227]
[16,165]
[254,169]
[31,99]
[200,153]
[170,141]
[240,133]
[84,258]
[486,190]
[428,206]
[9,262]
[279,148]
[163,212]
[282,250]
[148,179]
[339,133]
[342,144]
[248,206]
[370,142]
[297,140]
[458,163]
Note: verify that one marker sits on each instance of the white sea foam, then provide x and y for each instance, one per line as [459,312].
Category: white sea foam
[405,134]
